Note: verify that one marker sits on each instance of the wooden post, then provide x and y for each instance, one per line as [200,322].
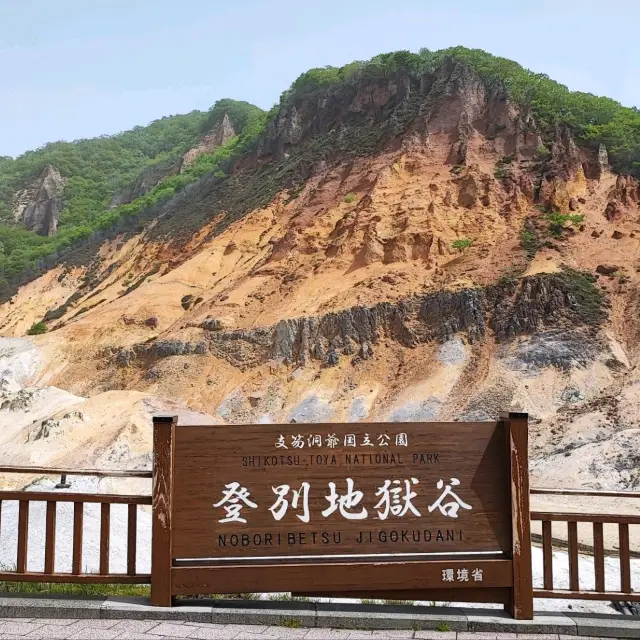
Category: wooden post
[162,495]
[517,432]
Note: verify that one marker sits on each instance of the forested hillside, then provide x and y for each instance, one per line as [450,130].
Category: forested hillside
[97,169]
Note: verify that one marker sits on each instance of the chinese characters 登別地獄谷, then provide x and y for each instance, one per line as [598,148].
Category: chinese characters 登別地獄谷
[396,498]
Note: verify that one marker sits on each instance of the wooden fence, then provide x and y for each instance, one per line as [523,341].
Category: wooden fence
[602,590]
[79,500]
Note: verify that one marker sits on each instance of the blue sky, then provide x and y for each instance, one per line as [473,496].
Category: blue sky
[80,68]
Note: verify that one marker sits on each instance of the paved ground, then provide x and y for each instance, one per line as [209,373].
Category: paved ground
[68,629]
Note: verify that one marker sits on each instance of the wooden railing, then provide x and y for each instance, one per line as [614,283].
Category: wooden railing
[48,471]
[52,500]
[133,502]
[598,520]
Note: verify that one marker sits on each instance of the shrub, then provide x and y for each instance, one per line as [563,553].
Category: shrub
[349,198]
[501,172]
[502,169]
[462,243]
[37,328]
[509,276]
[588,299]
[530,242]
[557,222]
[542,152]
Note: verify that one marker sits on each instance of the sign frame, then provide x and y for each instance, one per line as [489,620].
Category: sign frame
[509,577]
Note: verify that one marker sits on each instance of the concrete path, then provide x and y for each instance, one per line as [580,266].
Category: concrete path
[62,618]
[70,629]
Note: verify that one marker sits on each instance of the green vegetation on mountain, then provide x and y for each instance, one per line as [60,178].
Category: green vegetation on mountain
[245,117]
[96,170]
[593,119]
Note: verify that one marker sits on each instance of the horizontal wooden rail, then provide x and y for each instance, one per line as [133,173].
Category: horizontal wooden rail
[83,578]
[586,595]
[580,492]
[134,473]
[51,496]
[607,518]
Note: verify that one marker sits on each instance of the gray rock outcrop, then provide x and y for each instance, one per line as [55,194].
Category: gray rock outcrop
[38,206]
[539,302]
[220,134]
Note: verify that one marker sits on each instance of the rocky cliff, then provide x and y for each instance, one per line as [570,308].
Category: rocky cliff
[221,133]
[406,247]
[38,206]
[567,300]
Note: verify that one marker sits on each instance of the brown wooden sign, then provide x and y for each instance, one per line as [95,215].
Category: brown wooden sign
[414,508]
[336,490]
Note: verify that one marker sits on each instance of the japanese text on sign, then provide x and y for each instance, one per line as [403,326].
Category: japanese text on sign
[396,498]
[332,441]
[461,575]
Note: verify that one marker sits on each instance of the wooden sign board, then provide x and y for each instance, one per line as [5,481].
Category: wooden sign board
[339,508]
[340,490]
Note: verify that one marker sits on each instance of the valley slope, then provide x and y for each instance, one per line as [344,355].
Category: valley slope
[416,246]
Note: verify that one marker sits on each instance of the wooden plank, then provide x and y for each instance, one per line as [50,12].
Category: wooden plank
[574,580]
[68,578]
[23,535]
[78,523]
[608,518]
[312,561]
[517,435]
[161,533]
[581,492]
[336,577]
[50,539]
[598,556]
[134,473]
[547,554]
[498,595]
[625,562]
[105,530]
[587,595]
[132,532]
[47,496]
